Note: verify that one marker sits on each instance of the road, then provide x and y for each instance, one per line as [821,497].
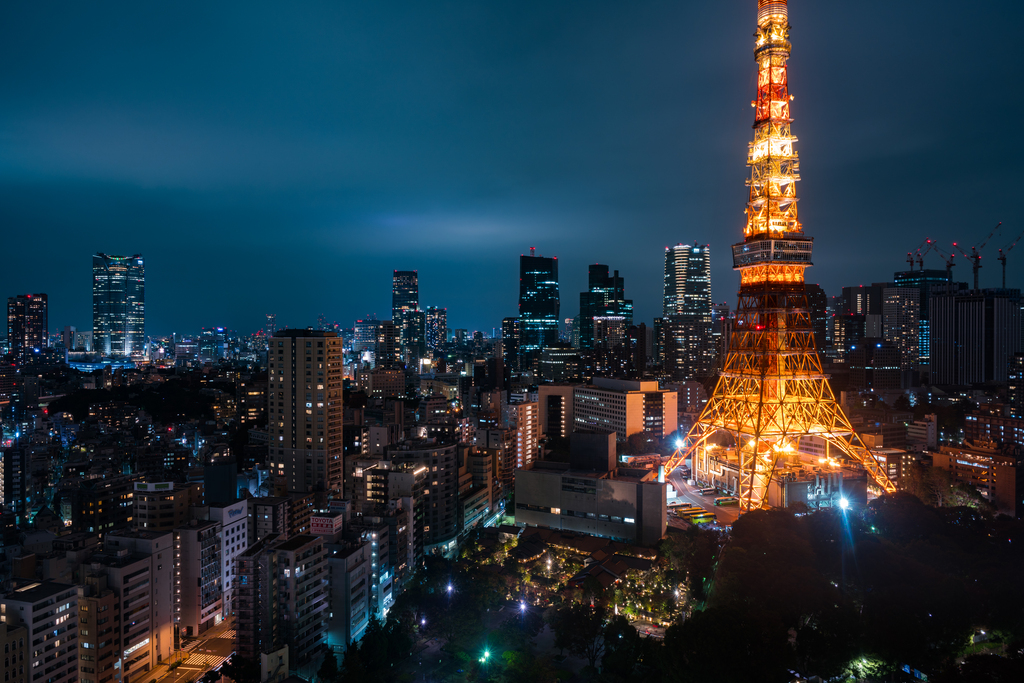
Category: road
[726,514]
[198,655]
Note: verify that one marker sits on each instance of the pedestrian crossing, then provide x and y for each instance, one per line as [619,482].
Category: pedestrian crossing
[198,660]
[229,634]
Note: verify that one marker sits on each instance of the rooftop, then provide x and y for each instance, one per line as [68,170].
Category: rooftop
[36,591]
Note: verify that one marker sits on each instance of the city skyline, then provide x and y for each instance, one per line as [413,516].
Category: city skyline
[559,138]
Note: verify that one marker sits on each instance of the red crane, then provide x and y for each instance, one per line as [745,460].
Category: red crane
[975,255]
[1002,255]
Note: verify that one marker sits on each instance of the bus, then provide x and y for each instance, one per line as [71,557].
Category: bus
[727,500]
[708,491]
[679,504]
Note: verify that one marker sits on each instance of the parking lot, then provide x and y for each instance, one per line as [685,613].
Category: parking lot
[725,514]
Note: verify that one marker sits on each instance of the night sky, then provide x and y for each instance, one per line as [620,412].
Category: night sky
[287,156]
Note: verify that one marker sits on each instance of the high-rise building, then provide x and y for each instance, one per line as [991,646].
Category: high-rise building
[818,303]
[386,346]
[26,326]
[900,324]
[364,334]
[538,306]
[923,281]
[510,332]
[118,304]
[304,409]
[605,296]
[127,585]
[688,350]
[50,611]
[281,598]
[862,300]
[1015,385]
[626,407]
[974,334]
[270,328]
[437,327]
[405,299]
[687,279]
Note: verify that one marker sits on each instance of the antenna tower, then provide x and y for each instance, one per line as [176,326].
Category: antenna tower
[772,391]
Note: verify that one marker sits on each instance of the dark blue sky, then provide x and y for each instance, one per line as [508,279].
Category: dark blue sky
[286,157]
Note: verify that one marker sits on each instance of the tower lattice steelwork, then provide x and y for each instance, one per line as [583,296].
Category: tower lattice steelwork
[772,390]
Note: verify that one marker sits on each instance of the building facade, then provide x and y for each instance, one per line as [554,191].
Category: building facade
[974,334]
[305,410]
[538,306]
[626,407]
[27,320]
[118,304]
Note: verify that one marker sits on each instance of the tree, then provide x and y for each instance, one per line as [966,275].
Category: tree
[623,647]
[242,669]
[580,629]
[328,672]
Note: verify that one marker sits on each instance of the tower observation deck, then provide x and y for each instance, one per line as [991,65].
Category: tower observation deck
[772,391]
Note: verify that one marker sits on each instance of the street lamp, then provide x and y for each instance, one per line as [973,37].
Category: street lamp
[844,504]
[487,653]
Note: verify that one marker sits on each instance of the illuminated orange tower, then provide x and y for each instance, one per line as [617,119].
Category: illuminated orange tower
[772,390]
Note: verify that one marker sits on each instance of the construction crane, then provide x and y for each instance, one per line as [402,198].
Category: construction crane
[933,246]
[975,255]
[916,255]
[1002,255]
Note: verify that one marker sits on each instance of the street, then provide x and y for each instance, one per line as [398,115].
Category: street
[197,656]
[726,514]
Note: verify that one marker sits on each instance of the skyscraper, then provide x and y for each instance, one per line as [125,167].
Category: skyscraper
[26,325]
[538,306]
[923,281]
[118,304]
[605,296]
[405,300]
[974,334]
[437,327]
[304,409]
[901,307]
[510,343]
[686,325]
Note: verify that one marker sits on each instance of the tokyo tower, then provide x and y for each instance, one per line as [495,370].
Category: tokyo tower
[772,391]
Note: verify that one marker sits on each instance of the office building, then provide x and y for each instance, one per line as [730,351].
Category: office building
[49,610]
[118,305]
[974,334]
[996,475]
[510,339]
[626,407]
[923,281]
[364,334]
[386,346]
[305,411]
[875,365]
[437,328]
[605,296]
[590,495]
[281,598]
[270,326]
[103,504]
[1006,431]
[555,406]
[901,307]
[817,302]
[1015,384]
[524,418]
[538,307]
[686,339]
[405,304]
[27,326]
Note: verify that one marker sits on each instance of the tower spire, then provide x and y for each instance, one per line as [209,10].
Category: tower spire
[772,392]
